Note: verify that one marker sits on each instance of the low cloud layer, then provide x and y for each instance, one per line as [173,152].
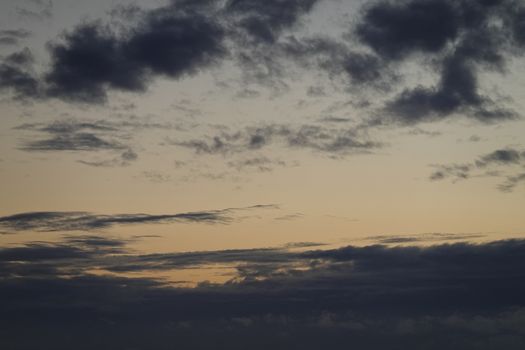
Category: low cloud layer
[468,295]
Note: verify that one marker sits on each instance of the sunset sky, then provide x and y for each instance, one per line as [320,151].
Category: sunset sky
[249,173]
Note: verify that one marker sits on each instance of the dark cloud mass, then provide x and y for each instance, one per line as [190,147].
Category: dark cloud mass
[397,29]
[174,41]
[170,42]
[464,37]
[456,40]
[371,297]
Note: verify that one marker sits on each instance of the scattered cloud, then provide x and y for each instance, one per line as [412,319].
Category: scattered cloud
[486,165]
[84,221]
[13,36]
[16,75]
[423,237]
[312,137]
[35,9]
[260,164]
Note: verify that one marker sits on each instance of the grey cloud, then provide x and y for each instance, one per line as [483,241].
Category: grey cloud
[501,156]
[372,297]
[339,59]
[35,9]
[424,237]
[498,159]
[312,137]
[88,136]
[16,75]
[84,221]
[13,36]
[397,29]
[511,182]
[264,21]
[462,39]
[124,159]
[261,163]
[173,41]
[82,141]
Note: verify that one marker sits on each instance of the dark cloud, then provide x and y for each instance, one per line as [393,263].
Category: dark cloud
[312,137]
[457,40]
[73,135]
[463,38]
[263,22]
[501,156]
[339,59]
[395,30]
[173,41]
[372,297]
[424,237]
[498,159]
[72,142]
[16,75]
[13,36]
[83,221]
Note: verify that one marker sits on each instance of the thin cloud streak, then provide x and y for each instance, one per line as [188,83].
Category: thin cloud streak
[84,221]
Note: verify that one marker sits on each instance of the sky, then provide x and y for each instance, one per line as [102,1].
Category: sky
[243,173]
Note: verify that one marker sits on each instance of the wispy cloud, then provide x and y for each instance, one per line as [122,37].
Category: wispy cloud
[489,164]
[312,137]
[84,221]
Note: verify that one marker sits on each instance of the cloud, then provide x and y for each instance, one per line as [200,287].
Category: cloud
[424,237]
[465,294]
[84,221]
[125,159]
[511,182]
[339,59]
[263,22]
[486,165]
[395,30]
[13,36]
[261,164]
[312,137]
[16,75]
[462,38]
[88,136]
[173,41]
[72,142]
[35,9]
